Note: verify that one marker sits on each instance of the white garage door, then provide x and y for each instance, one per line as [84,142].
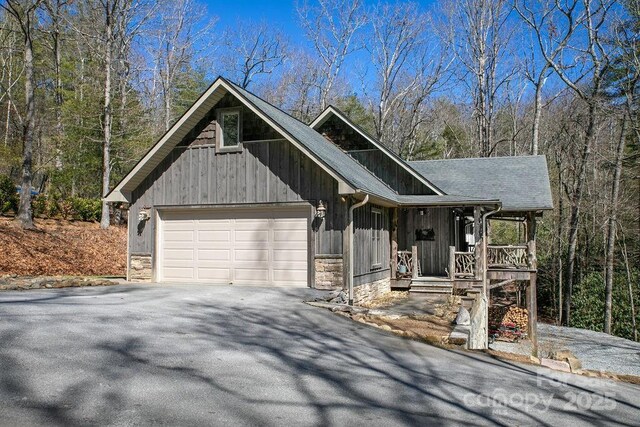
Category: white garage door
[248,246]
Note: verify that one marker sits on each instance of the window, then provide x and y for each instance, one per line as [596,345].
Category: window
[229,131]
[376,238]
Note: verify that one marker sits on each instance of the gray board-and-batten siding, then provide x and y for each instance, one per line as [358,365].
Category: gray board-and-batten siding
[268,171]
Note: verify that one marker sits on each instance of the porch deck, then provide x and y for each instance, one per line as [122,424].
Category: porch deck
[506,264]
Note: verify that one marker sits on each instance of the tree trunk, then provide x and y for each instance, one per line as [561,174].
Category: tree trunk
[574,221]
[106,143]
[625,256]
[25,215]
[559,237]
[537,114]
[611,229]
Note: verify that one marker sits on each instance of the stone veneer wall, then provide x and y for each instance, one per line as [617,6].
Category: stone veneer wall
[140,268]
[328,272]
[369,291]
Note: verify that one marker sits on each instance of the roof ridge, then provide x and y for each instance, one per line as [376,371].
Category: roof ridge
[475,158]
[264,100]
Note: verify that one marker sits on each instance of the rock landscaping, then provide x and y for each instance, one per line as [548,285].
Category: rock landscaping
[444,323]
[23,283]
[433,328]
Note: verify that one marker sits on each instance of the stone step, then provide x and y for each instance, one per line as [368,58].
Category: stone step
[431,286]
[431,290]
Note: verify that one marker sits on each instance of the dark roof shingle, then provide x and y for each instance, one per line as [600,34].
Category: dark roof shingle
[520,183]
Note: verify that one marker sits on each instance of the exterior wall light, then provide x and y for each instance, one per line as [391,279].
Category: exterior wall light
[321,210]
[144,215]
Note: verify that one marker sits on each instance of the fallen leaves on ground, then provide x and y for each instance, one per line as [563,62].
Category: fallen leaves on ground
[62,248]
[386,300]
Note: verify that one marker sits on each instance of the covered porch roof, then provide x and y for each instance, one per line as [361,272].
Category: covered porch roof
[520,183]
[444,201]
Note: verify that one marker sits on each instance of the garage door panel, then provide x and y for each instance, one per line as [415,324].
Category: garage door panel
[235,246]
[215,274]
[178,235]
[215,255]
[244,255]
[289,276]
[289,255]
[215,236]
[252,274]
[179,225]
[179,254]
[177,273]
[252,235]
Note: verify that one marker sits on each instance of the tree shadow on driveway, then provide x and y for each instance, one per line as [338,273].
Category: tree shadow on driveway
[197,355]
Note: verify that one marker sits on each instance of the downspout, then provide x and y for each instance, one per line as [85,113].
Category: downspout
[350,231]
[484,247]
[483,333]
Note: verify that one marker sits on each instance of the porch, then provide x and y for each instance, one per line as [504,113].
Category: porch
[469,265]
[464,275]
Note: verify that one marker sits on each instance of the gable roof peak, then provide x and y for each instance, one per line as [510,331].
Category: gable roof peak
[331,110]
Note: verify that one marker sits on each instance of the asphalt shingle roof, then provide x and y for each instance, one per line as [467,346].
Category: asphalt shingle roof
[520,183]
[331,155]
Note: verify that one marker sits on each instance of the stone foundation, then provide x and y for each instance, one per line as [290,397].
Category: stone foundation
[328,272]
[140,268]
[369,291]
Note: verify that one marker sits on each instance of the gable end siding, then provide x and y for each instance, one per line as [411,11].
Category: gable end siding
[270,171]
[390,172]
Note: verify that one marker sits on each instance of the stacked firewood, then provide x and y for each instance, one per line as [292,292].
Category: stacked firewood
[516,316]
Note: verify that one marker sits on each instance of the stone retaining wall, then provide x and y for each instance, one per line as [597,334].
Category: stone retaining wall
[369,291]
[140,268]
[8,283]
[328,272]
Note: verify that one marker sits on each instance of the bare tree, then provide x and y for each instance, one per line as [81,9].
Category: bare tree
[11,72]
[298,87]
[537,72]
[55,10]
[178,34]
[587,48]
[252,50]
[24,14]
[478,32]
[625,80]
[332,27]
[408,65]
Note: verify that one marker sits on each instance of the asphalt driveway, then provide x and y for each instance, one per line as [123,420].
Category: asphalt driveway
[193,355]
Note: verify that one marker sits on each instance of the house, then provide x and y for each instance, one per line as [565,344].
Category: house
[240,192]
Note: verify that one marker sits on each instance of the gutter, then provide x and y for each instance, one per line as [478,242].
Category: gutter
[350,231]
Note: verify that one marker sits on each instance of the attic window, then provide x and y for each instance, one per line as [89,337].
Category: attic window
[229,135]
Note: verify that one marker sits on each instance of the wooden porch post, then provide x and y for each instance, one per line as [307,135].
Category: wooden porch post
[477,236]
[532,302]
[346,245]
[477,224]
[532,309]
[394,243]
[415,261]
[452,262]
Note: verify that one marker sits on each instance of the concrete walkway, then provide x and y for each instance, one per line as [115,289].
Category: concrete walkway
[229,355]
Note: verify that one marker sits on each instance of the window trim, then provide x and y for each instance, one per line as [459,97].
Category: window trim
[377,247]
[220,147]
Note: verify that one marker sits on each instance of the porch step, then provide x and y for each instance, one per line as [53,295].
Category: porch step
[432,287]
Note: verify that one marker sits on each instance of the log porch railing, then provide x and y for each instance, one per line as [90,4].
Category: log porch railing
[464,265]
[508,257]
[407,264]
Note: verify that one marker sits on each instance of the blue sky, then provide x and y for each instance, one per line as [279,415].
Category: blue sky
[278,12]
